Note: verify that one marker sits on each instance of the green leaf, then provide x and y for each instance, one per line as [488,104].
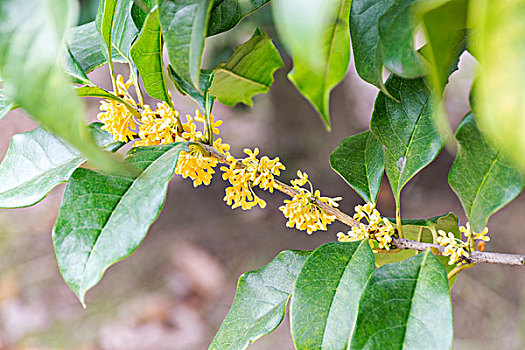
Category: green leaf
[226,14]
[397,28]
[405,306]
[29,49]
[103,218]
[37,161]
[124,29]
[72,67]
[95,91]
[445,43]
[421,230]
[199,96]
[260,301]
[184,24]
[406,128]
[482,177]
[319,38]
[248,72]
[5,103]
[499,93]
[87,49]
[364,30]
[146,53]
[326,295]
[359,161]
[104,25]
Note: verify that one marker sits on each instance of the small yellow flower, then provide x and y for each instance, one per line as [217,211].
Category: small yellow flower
[214,124]
[377,229]
[196,166]
[466,230]
[245,173]
[483,235]
[157,127]
[303,213]
[445,239]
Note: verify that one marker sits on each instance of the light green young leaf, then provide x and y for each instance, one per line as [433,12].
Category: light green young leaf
[226,14]
[359,161]
[37,161]
[319,38]
[103,218]
[326,295]
[146,53]
[184,25]
[499,92]
[5,103]
[407,306]
[29,49]
[406,128]
[248,72]
[260,301]
[482,177]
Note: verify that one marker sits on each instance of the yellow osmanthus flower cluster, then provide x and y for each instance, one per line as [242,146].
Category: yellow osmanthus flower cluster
[455,248]
[377,229]
[302,211]
[117,118]
[163,126]
[194,164]
[244,174]
[158,127]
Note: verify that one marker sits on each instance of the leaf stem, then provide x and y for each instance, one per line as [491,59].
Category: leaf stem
[458,269]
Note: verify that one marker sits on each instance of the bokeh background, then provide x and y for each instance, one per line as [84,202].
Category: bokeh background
[174,291]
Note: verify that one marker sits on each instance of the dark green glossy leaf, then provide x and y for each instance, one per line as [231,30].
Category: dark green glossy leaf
[29,50]
[95,91]
[103,218]
[37,161]
[397,28]
[260,301]
[405,305]
[499,92]
[326,295]
[483,179]
[226,14]
[87,49]
[147,56]
[445,42]
[5,104]
[249,71]
[359,161]
[184,24]
[406,129]
[364,29]
[205,82]
[319,39]
[383,34]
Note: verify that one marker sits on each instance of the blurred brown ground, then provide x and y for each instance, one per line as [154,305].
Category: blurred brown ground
[174,291]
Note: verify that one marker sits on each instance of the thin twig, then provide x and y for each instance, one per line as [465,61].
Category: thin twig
[476,257]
